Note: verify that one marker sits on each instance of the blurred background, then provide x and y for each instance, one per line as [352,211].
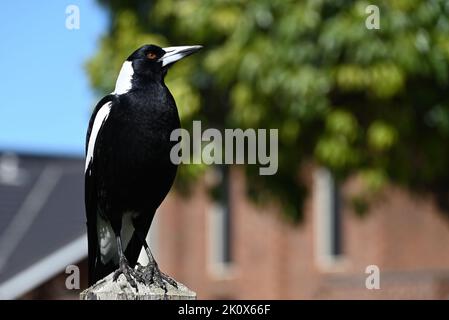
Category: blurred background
[363,120]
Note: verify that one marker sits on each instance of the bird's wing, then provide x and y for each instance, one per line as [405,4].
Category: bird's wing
[96,269]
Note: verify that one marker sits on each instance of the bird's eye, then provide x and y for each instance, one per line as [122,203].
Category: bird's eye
[151,56]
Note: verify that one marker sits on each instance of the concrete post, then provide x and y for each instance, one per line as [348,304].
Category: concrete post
[107,289]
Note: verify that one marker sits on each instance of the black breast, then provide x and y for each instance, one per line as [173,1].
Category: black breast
[135,164]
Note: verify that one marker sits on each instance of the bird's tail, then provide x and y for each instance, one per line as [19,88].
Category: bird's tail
[97,269]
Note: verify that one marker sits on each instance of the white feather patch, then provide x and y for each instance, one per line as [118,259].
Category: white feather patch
[107,239]
[100,118]
[123,84]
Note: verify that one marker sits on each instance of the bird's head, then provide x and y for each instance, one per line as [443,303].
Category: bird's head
[156,60]
[148,63]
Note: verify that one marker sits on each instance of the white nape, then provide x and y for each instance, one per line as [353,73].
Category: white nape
[100,118]
[123,84]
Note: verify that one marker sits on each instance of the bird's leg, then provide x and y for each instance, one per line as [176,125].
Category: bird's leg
[124,267]
[152,273]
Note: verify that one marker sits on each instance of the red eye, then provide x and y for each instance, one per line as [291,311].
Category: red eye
[151,56]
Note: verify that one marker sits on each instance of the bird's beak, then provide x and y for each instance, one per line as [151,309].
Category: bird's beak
[173,54]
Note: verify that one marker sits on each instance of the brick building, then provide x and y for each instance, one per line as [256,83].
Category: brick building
[228,248]
[324,257]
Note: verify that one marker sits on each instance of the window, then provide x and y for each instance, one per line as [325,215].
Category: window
[219,225]
[327,220]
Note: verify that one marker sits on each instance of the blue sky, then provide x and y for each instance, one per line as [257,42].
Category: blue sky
[45,98]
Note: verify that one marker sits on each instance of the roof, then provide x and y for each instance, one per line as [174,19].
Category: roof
[42,221]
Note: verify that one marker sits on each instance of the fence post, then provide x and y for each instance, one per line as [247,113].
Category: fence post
[107,289]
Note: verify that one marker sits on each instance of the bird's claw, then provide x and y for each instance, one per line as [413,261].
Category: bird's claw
[147,275]
[152,275]
[128,272]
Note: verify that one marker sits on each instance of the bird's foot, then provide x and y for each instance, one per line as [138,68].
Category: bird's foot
[152,275]
[130,274]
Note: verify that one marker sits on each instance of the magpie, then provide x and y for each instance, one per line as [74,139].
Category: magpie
[128,171]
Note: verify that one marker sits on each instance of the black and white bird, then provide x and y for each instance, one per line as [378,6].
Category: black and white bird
[128,171]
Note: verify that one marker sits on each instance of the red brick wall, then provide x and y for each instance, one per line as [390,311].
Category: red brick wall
[404,235]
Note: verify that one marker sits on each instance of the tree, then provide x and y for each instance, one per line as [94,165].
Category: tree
[372,103]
